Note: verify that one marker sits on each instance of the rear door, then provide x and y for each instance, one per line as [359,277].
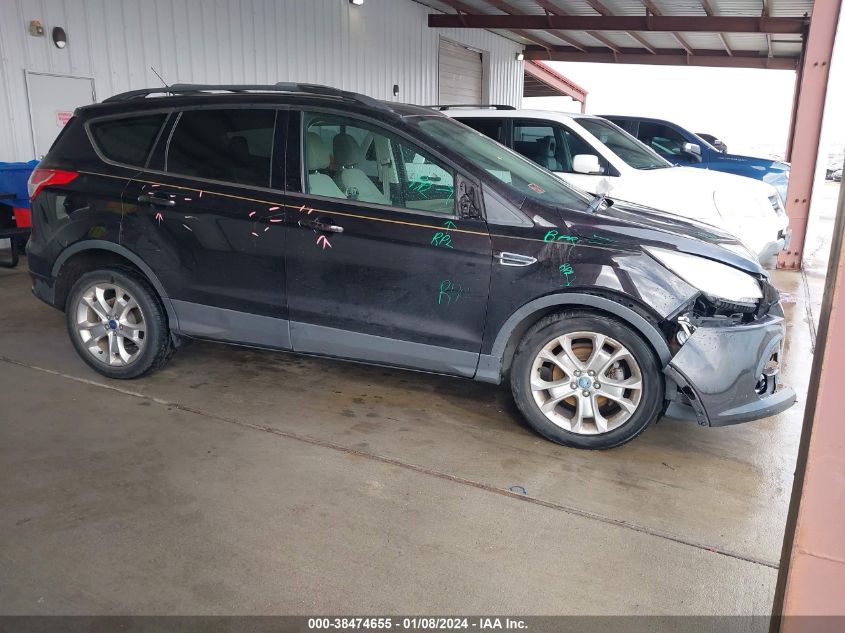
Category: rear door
[208,216]
[382,269]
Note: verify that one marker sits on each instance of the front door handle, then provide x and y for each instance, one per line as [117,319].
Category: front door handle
[323,225]
[156,202]
[515,259]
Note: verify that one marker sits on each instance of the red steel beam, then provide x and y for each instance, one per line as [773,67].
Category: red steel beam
[558,82]
[652,8]
[664,57]
[463,9]
[811,574]
[599,8]
[666,23]
[807,117]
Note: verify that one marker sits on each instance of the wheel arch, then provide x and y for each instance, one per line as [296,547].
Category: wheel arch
[493,366]
[88,255]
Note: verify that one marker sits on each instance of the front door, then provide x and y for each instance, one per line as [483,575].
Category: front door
[381,267]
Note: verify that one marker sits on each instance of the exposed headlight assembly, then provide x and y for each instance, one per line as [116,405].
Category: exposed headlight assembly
[717,281]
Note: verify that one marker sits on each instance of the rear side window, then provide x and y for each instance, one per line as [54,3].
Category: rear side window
[231,145]
[128,140]
[494,128]
[661,138]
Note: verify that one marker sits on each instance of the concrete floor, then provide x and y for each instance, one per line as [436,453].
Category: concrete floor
[243,481]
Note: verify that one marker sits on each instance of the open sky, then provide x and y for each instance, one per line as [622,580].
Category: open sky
[748,109]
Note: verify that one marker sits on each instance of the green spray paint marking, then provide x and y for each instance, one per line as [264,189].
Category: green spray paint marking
[599,240]
[568,273]
[450,225]
[442,239]
[553,236]
[449,293]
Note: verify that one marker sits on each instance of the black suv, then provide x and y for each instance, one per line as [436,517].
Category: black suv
[304,218]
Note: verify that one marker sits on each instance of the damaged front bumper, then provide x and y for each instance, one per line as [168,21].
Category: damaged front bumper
[728,374]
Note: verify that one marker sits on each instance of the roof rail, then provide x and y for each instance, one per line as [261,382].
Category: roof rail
[485,106]
[281,86]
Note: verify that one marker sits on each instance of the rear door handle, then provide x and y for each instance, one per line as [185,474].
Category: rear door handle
[321,224]
[156,202]
[515,259]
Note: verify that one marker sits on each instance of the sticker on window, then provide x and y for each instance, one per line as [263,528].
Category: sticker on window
[536,187]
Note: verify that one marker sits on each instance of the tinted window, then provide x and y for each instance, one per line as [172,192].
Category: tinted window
[127,140]
[543,144]
[230,145]
[661,138]
[494,128]
[351,159]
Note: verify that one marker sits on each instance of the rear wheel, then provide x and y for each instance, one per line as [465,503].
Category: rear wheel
[586,381]
[117,324]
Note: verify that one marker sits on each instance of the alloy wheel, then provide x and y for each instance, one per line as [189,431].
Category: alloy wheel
[110,324]
[586,383]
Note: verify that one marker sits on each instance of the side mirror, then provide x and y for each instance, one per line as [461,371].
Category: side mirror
[693,150]
[586,164]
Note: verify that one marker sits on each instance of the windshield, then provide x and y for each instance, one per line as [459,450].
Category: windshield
[625,146]
[519,174]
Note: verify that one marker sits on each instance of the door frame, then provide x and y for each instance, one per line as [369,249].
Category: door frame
[27,73]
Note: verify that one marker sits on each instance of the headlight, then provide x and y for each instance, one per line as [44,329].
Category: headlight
[712,278]
[731,203]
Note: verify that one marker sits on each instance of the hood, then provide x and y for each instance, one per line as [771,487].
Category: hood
[634,226]
[767,163]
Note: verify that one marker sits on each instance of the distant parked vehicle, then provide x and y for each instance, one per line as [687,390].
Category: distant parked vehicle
[836,176]
[715,142]
[682,147]
[585,150]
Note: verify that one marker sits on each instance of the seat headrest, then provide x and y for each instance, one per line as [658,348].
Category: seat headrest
[546,146]
[316,154]
[347,152]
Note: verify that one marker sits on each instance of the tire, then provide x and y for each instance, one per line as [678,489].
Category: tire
[628,395]
[117,323]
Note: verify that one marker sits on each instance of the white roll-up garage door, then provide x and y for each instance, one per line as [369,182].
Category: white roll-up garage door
[459,76]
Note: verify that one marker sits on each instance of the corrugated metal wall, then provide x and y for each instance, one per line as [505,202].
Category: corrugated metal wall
[363,48]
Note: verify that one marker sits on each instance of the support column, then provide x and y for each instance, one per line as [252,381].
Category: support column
[811,578]
[809,108]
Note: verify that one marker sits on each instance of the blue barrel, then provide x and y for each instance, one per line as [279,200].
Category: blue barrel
[13,177]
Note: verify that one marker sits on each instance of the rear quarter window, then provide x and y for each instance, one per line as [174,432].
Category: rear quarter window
[127,140]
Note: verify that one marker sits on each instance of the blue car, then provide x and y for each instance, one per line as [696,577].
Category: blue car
[682,147]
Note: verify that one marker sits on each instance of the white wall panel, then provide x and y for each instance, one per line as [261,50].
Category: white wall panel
[362,48]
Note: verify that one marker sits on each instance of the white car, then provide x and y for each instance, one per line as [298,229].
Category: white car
[585,150]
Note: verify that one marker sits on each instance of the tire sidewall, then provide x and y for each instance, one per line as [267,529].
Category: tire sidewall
[547,329]
[150,309]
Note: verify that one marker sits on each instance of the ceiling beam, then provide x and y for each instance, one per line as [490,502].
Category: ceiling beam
[667,57]
[462,9]
[553,9]
[710,13]
[501,5]
[664,23]
[765,14]
[652,8]
[599,8]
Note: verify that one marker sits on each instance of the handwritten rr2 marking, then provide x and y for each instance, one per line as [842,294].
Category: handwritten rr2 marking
[322,239]
[442,239]
[449,292]
[159,217]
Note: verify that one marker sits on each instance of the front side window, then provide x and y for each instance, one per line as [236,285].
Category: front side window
[354,160]
[231,145]
[661,138]
[518,174]
[624,145]
[127,140]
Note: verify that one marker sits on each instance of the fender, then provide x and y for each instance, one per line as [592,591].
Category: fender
[490,365]
[103,245]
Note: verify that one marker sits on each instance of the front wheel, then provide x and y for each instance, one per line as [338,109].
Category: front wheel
[117,323]
[586,381]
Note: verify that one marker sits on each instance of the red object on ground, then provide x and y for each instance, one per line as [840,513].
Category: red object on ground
[23,217]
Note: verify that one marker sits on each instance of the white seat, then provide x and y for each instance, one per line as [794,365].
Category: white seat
[316,158]
[348,155]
